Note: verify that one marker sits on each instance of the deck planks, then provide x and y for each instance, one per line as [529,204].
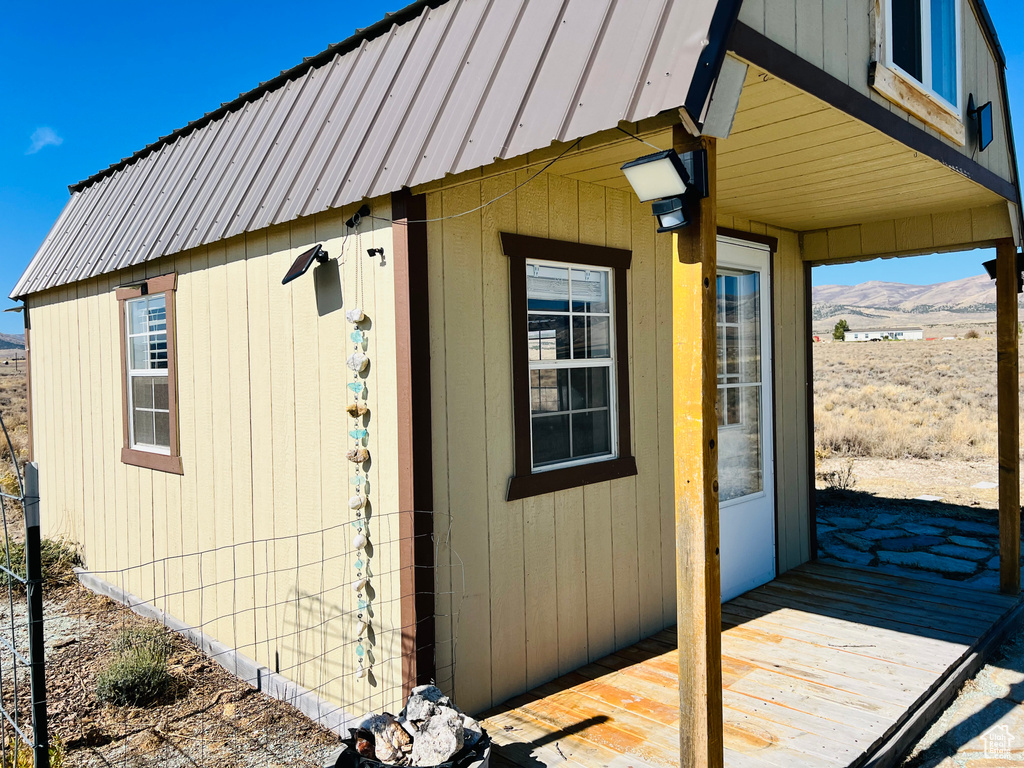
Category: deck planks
[819,668]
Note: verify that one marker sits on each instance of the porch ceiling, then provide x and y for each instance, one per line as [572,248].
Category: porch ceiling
[795,162]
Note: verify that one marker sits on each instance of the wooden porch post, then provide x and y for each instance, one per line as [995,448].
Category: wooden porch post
[1009,416]
[695,462]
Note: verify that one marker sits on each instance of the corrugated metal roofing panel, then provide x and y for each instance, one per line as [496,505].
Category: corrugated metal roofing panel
[446,87]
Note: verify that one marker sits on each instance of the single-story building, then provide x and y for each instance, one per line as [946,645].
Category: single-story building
[885,334]
[542,429]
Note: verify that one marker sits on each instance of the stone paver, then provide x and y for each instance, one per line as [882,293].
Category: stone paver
[907,535]
[929,562]
[921,529]
[911,543]
[968,541]
[955,550]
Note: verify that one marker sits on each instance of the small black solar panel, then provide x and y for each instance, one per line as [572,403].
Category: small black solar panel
[302,264]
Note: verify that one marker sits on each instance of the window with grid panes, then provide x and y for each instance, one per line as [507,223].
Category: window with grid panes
[147,366]
[572,363]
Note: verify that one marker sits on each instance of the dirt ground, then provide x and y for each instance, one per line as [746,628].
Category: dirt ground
[951,480]
[209,717]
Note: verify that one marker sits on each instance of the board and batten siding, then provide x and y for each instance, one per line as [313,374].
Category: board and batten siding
[836,35]
[263,433]
[532,589]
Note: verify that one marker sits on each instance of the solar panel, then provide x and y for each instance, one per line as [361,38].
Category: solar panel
[302,264]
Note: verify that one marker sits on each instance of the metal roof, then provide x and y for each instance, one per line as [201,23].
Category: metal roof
[437,88]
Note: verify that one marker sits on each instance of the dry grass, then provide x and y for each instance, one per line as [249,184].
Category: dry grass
[14,409]
[898,400]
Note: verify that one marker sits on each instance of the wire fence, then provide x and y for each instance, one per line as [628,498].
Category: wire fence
[23,714]
[254,630]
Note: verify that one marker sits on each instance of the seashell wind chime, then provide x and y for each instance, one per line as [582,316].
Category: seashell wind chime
[359,455]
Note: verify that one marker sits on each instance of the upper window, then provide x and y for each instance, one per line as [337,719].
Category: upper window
[148,363]
[149,410]
[569,364]
[923,42]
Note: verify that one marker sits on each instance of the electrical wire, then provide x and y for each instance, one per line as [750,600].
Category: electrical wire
[483,205]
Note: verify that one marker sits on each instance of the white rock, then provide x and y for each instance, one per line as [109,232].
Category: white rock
[419,708]
[356,502]
[358,584]
[359,541]
[357,361]
[439,739]
[355,315]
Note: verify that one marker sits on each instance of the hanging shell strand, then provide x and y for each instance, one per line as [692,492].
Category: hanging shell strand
[359,454]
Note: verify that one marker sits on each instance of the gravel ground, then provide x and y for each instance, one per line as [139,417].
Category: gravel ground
[984,726]
[209,718]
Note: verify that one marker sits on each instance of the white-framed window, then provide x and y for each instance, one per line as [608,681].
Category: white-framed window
[572,363]
[149,405]
[922,43]
[739,346]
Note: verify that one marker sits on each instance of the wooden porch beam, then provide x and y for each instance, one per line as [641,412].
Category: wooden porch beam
[1009,417]
[695,462]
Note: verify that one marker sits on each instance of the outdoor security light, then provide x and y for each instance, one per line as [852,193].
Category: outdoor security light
[668,178]
[672,213]
[982,117]
[302,264]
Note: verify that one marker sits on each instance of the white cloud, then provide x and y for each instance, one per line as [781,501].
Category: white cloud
[44,137]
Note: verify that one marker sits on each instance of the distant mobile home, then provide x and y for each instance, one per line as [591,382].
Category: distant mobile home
[885,334]
[541,428]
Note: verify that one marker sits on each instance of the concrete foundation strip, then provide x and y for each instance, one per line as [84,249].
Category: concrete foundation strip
[276,686]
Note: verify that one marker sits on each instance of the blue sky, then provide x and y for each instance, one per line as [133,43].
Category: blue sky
[89,83]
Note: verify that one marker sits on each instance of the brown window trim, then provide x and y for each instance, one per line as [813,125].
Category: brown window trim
[526,482]
[165,284]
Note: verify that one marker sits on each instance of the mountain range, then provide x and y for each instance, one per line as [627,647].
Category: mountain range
[971,300]
[12,341]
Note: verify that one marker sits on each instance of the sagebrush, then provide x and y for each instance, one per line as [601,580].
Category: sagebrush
[138,674]
[916,399]
[59,558]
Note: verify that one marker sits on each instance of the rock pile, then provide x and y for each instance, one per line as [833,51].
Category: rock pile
[429,732]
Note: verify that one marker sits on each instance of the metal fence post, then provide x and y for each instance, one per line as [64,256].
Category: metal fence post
[34,589]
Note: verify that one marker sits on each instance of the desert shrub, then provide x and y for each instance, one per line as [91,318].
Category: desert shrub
[972,334]
[839,479]
[9,483]
[927,400]
[138,674]
[59,560]
[149,636]
[17,754]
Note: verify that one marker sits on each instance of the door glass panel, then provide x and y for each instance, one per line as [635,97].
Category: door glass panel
[741,456]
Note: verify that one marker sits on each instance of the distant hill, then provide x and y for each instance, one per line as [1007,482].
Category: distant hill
[12,341]
[971,300]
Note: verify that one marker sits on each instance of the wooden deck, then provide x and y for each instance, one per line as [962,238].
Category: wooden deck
[828,665]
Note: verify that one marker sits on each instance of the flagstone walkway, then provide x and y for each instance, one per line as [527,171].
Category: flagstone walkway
[919,537]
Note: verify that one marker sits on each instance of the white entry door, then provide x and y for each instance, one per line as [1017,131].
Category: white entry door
[746,484]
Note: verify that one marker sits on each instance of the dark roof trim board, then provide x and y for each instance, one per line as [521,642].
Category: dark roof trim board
[772,57]
[350,43]
[710,62]
[990,31]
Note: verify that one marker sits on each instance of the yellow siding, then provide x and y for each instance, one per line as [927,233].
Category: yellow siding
[836,35]
[543,585]
[262,390]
